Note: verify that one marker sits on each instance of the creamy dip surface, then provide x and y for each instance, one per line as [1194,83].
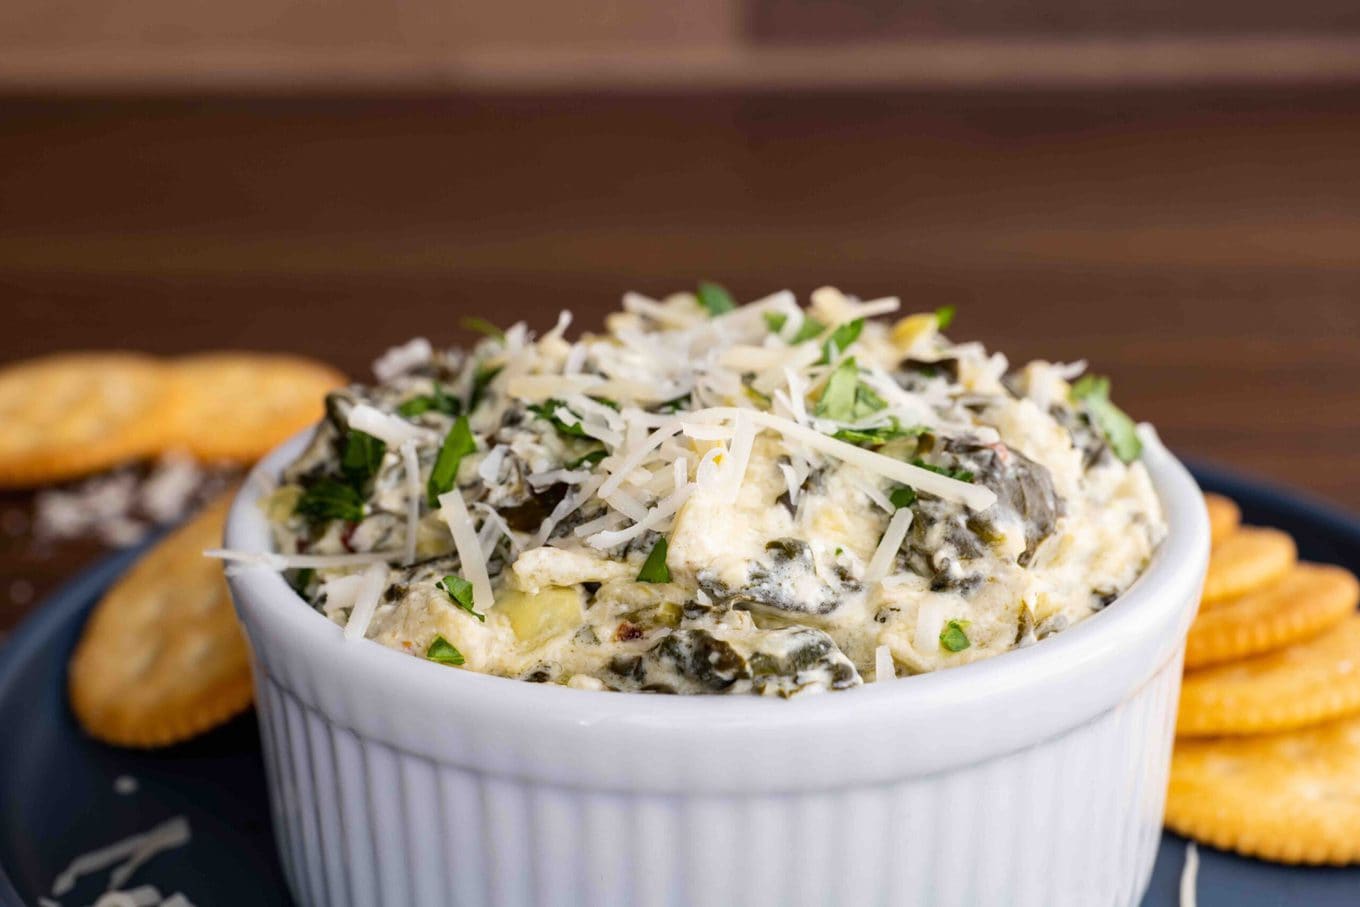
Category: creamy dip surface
[713,498]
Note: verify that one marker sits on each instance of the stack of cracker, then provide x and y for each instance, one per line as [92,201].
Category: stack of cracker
[161,658]
[1267,757]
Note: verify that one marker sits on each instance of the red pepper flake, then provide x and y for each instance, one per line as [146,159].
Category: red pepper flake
[627,631]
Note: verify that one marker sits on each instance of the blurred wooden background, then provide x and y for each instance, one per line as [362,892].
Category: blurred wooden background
[187,45]
[1202,246]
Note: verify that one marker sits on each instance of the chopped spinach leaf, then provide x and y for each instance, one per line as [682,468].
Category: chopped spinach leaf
[902,496]
[442,651]
[459,592]
[301,579]
[482,326]
[654,570]
[362,457]
[458,443]
[329,499]
[549,410]
[809,329]
[438,401]
[715,299]
[944,317]
[952,636]
[840,340]
[1113,423]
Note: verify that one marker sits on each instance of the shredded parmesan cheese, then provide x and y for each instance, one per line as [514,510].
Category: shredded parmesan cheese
[884,669]
[392,430]
[275,561]
[888,546]
[366,601]
[455,514]
[1190,876]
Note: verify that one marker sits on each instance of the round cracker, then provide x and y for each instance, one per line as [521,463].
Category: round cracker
[236,407]
[1291,797]
[1301,604]
[71,415]
[1302,684]
[1224,516]
[162,657]
[1249,558]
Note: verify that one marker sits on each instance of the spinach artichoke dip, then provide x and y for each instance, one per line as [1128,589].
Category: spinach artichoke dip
[713,498]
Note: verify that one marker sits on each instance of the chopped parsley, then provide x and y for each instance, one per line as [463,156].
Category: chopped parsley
[902,496]
[442,651]
[480,382]
[809,329]
[879,435]
[654,570]
[482,326]
[840,340]
[952,636]
[675,405]
[549,410]
[329,499]
[458,443]
[944,317]
[459,592]
[589,459]
[715,299]
[961,475]
[362,456]
[1112,422]
[438,401]
[845,398]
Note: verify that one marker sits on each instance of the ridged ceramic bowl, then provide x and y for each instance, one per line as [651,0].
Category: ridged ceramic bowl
[1034,778]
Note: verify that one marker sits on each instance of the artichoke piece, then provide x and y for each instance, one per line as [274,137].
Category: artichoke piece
[537,616]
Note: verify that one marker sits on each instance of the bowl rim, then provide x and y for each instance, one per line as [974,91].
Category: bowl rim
[967,714]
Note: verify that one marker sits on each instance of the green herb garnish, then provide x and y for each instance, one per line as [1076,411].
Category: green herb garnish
[549,409]
[674,405]
[480,382]
[438,401]
[845,398]
[840,340]
[442,651]
[589,459]
[1113,423]
[329,499]
[809,329]
[482,326]
[952,636]
[654,570]
[362,457]
[944,317]
[458,443]
[459,592]
[879,435]
[716,300]
[961,475]
[902,496]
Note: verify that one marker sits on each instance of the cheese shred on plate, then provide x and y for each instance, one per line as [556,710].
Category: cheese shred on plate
[709,497]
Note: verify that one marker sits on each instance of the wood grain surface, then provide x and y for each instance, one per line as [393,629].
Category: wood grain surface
[1202,248]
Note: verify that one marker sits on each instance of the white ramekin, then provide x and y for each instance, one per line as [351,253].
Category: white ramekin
[1035,778]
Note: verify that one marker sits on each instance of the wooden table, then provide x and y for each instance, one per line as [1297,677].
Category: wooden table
[1203,248]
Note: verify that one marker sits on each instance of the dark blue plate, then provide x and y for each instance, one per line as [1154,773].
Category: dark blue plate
[58,799]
